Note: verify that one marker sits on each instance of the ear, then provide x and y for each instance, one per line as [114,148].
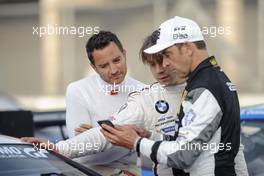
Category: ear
[189,48]
[124,52]
[190,51]
[93,66]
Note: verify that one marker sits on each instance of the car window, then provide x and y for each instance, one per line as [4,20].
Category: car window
[24,159]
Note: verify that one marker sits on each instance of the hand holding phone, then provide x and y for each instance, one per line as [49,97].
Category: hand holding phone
[106,122]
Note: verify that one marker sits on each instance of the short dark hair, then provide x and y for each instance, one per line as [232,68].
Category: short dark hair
[200,44]
[100,41]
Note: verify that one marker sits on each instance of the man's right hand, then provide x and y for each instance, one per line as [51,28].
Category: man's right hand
[82,128]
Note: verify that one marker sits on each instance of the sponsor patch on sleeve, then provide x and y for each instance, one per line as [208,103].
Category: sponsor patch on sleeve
[189,118]
[231,86]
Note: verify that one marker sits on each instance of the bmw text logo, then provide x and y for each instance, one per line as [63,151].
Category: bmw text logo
[162,106]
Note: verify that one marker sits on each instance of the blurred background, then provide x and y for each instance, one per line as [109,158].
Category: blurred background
[37,63]
[42,50]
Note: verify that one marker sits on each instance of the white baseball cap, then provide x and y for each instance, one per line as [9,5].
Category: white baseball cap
[176,30]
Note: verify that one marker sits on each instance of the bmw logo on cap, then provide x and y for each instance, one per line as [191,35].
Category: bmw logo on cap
[162,106]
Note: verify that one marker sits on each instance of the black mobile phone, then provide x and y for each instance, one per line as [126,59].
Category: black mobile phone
[106,122]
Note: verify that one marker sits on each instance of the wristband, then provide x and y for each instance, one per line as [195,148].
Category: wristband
[138,152]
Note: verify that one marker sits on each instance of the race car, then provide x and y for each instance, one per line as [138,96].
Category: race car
[18,158]
[252,136]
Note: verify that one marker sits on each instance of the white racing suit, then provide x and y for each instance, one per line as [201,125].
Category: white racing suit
[154,108]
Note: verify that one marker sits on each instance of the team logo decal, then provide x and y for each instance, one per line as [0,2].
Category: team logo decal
[162,106]
[213,62]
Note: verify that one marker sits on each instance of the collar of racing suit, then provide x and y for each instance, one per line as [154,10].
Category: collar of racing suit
[208,62]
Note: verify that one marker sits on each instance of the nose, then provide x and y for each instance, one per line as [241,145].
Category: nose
[159,68]
[113,69]
[165,62]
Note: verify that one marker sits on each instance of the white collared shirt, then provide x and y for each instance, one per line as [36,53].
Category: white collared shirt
[89,100]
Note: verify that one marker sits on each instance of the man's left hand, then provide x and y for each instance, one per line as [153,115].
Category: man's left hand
[120,135]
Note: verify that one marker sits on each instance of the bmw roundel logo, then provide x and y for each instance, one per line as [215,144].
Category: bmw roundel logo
[162,106]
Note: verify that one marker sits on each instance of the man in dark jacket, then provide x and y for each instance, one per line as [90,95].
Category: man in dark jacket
[207,136]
